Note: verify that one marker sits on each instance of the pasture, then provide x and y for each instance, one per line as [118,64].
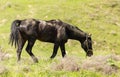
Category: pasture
[101,18]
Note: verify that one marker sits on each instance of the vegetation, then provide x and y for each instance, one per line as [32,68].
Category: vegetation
[101,18]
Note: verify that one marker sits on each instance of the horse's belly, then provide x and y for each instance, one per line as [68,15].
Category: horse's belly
[47,37]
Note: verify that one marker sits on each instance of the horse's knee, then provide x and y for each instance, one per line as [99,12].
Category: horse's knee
[27,49]
[19,52]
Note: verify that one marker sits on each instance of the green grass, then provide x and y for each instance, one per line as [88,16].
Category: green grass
[101,18]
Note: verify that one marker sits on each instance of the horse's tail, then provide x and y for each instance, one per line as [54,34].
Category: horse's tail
[15,34]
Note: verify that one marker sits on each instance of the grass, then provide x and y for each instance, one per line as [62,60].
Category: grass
[101,18]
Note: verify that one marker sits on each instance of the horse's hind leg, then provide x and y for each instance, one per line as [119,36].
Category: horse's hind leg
[56,46]
[62,47]
[19,50]
[29,50]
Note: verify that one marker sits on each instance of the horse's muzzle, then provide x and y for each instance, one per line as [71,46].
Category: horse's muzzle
[89,53]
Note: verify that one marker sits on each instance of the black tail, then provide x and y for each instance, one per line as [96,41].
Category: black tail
[14,36]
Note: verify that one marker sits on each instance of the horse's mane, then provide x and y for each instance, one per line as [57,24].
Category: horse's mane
[71,27]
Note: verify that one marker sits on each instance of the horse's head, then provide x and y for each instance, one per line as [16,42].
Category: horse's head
[87,45]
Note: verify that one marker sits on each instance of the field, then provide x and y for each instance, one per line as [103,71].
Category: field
[101,18]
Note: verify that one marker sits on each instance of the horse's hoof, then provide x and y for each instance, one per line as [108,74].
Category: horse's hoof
[52,57]
[35,60]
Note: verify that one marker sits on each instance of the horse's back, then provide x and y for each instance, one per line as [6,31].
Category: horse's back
[47,31]
[51,31]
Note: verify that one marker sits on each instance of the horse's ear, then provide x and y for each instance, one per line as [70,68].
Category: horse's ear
[90,34]
[60,22]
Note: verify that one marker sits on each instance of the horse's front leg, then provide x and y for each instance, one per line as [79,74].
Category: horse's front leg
[29,49]
[55,49]
[19,50]
[62,47]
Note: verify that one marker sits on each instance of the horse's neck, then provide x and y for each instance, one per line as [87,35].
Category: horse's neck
[78,35]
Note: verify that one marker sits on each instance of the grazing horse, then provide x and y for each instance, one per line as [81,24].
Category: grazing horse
[52,31]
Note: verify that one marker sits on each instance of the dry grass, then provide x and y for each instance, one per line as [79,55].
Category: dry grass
[66,64]
[4,55]
[3,70]
[105,64]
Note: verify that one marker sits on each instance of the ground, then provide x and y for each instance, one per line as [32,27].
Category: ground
[101,18]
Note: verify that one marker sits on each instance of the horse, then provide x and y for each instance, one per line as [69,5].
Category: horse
[52,31]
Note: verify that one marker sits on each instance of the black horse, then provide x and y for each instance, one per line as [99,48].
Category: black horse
[53,31]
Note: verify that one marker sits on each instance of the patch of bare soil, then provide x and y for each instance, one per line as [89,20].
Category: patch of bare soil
[105,64]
